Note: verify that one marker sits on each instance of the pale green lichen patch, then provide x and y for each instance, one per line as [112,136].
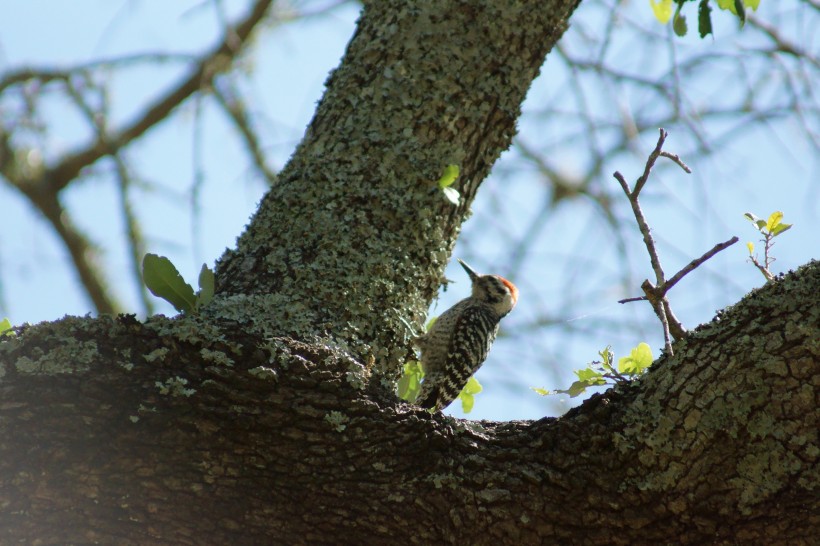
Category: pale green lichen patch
[265,373]
[174,386]
[337,420]
[157,355]
[216,357]
[72,356]
[194,329]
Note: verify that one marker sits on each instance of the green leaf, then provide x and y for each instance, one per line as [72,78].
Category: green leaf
[751,246]
[451,172]
[759,224]
[5,328]
[410,382]
[704,19]
[606,357]
[662,10]
[575,389]
[472,386]
[206,287]
[452,195]
[164,281]
[774,219]
[467,402]
[738,7]
[638,360]
[728,5]
[541,391]
[590,376]
[467,394]
[740,10]
[679,24]
[780,228]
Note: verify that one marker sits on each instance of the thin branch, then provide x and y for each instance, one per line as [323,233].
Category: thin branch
[650,162]
[82,253]
[136,242]
[656,295]
[632,196]
[678,160]
[630,300]
[211,64]
[696,263]
[48,75]
[237,112]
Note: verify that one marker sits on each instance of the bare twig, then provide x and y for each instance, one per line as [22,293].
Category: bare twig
[655,294]
[643,226]
[650,162]
[764,270]
[696,263]
[630,300]
[678,160]
[671,325]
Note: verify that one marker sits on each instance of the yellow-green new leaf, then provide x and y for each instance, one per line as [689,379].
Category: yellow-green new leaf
[638,360]
[577,388]
[780,228]
[410,382]
[467,394]
[590,376]
[773,220]
[472,386]
[662,10]
[751,246]
[447,179]
[5,328]
[451,172]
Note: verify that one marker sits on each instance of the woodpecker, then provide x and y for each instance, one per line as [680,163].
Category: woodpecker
[458,343]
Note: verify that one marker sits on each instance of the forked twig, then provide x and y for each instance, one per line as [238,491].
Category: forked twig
[655,294]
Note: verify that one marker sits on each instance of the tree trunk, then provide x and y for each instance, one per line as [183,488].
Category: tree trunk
[353,238]
[270,418]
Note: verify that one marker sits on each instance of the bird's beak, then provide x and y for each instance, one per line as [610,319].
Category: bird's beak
[473,275]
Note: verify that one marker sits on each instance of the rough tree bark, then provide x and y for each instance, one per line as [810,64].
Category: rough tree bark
[270,418]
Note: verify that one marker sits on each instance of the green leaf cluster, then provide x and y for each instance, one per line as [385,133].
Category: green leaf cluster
[604,371]
[164,281]
[662,9]
[773,226]
[770,228]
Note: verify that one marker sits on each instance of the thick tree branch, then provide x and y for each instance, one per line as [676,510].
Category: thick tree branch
[175,432]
